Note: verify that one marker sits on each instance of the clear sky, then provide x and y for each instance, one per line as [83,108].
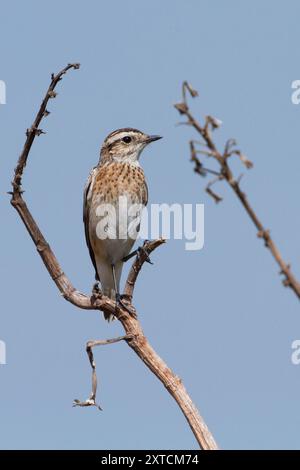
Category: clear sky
[219,316]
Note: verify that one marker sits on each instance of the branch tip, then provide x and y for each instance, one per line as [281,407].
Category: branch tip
[226,173]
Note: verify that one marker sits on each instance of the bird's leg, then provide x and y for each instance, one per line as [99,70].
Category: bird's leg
[138,252]
[119,297]
[91,401]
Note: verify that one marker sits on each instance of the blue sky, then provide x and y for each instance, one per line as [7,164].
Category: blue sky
[219,316]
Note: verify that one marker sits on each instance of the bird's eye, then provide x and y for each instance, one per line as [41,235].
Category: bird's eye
[126,139]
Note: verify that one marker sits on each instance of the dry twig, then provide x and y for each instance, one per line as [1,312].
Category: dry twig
[134,335]
[209,149]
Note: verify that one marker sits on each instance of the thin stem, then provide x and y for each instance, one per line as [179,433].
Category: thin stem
[222,159]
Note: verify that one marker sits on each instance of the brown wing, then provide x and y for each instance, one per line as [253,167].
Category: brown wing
[145,194]
[86,212]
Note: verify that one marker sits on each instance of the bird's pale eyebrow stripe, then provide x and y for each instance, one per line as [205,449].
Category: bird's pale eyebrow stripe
[109,144]
[124,129]
[117,136]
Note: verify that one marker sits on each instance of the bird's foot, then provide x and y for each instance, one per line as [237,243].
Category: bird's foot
[96,288]
[96,292]
[141,250]
[121,301]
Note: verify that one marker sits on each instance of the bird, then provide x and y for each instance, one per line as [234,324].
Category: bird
[114,195]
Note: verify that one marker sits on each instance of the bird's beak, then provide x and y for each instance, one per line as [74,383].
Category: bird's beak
[152,138]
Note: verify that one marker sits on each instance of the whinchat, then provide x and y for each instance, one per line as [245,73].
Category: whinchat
[114,196]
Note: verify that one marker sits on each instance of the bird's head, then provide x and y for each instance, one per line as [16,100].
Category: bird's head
[125,145]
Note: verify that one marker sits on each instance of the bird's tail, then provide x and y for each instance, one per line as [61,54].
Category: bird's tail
[107,282]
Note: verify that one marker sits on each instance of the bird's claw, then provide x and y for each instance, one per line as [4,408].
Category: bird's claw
[96,293]
[143,249]
[130,308]
[96,289]
[138,253]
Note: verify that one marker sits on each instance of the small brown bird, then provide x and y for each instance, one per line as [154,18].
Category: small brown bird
[114,195]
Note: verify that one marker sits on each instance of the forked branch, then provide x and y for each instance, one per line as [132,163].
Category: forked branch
[208,148]
[134,335]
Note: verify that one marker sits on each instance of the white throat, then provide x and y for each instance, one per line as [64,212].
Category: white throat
[132,159]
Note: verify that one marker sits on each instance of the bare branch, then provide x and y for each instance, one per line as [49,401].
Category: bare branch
[134,335]
[136,267]
[34,129]
[211,192]
[222,159]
